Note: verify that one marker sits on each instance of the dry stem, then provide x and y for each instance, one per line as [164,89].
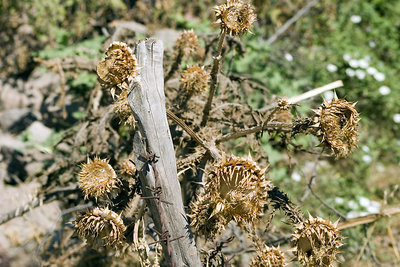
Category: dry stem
[214,75]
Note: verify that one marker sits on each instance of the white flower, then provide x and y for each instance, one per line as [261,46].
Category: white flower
[371,70]
[379,76]
[353,214]
[355,19]
[396,118]
[296,177]
[331,68]
[372,44]
[365,149]
[384,90]
[288,57]
[353,63]
[328,95]
[365,202]
[352,204]
[339,200]
[360,74]
[373,207]
[346,57]
[363,63]
[350,72]
[367,159]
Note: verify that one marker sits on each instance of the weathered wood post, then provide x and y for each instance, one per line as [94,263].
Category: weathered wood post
[159,175]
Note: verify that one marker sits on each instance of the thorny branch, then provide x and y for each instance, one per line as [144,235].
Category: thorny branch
[214,76]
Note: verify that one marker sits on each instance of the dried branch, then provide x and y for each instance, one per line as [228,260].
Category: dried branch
[306,95]
[214,75]
[292,20]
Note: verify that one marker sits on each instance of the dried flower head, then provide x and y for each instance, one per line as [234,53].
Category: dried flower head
[238,189]
[269,257]
[100,227]
[118,65]
[204,221]
[123,109]
[97,178]
[316,242]
[236,17]
[194,80]
[187,43]
[337,122]
[127,168]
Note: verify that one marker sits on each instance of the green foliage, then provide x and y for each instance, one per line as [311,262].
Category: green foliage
[87,49]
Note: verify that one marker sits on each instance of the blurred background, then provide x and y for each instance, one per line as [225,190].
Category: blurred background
[50,48]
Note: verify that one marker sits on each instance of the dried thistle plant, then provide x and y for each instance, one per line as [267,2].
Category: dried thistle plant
[235,17]
[269,257]
[101,227]
[127,168]
[187,43]
[123,110]
[194,80]
[316,242]
[118,66]
[337,122]
[236,190]
[97,178]
[204,221]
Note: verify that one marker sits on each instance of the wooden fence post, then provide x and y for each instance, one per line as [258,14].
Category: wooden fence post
[158,174]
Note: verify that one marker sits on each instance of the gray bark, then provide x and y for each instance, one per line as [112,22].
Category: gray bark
[147,101]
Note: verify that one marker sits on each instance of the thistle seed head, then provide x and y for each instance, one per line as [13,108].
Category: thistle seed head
[97,178]
[127,168]
[123,109]
[118,65]
[194,80]
[235,17]
[204,221]
[187,43]
[316,242]
[337,122]
[100,227]
[238,189]
[269,257]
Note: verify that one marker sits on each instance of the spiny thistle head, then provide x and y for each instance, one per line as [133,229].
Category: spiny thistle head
[118,65]
[204,221]
[100,227]
[269,257]
[97,178]
[194,80]
[127,168]
[316,242]
[235,17]
[187,43]
[238,189]
[337,122]
[282,113]
[123,110]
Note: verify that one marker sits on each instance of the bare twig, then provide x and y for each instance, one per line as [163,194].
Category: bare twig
[215,153]
[368,238]
[214,74]
[292,20]
[272,126]
[325,204]
[306,95]
[368,218]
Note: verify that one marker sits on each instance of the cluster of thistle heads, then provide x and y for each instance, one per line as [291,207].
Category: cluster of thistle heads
[237,189]
[102,227]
